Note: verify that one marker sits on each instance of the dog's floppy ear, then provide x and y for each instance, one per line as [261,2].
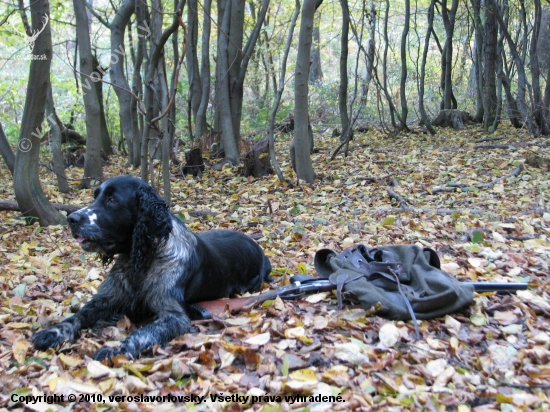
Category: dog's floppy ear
[153,226]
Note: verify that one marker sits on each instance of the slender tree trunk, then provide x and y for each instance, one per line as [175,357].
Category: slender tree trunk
[149,103]
[522,78]
[127,113]
[370,48]
[499,77]
[343,89]
[233,61]
[142,20]
[200,123]
[193,73]
[403,90]
[538,109]
[280,92]
[55,144]
[224,104]
[237,83]
[106,143]
[385,64]
[478,59]
[449,23]
[5,150]
[315,72]
[28,192]
[92,162]
[490,59]
[299,150]
[425,119]
[172,116]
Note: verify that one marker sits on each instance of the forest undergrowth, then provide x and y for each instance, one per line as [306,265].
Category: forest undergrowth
[483,205]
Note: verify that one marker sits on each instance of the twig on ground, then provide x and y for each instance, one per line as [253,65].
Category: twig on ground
[403,204]
[453,186]
[489,139]
[422,210]
[372,179]
[493,146]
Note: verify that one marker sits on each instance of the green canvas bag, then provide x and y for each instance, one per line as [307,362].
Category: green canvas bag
[406,280]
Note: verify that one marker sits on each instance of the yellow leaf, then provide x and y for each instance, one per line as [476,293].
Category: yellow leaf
[106,384]
[19,350]
[388,221]
[304,375]
[39,263]
[302,268]
[70,361]
[25,248]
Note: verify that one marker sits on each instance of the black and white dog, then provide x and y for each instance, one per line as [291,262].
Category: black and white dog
[161,267]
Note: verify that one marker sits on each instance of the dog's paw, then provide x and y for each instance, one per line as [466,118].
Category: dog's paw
[52,337]
[106,352]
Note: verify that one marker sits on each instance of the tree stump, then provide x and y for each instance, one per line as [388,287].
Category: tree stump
[453,118]
[256,162]
[194,163]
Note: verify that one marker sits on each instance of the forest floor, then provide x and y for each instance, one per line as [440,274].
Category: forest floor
[485,210]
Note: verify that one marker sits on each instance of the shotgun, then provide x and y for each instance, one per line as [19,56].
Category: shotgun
[207,309]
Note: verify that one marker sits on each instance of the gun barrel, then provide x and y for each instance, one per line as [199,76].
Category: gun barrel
[481,287]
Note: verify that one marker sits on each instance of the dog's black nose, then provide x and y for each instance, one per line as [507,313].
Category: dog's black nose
[73,218]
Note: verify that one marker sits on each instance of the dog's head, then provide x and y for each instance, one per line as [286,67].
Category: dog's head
[127,216]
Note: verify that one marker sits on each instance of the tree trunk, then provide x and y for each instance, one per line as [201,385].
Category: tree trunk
[127,111]
[423,114]
[522,77]
[92,164]
[478,59]
[142,20]
[499,77]
[228,138]
[403,91]
[315,72]
[539,112]
[385,63]
[106,143]
[55,144]
[231,70]
[193,73]
[149,95]
[237,83]
[343,89]
[489,66]
[5,151]
[172,115]
[28,192]
[299,150]
[200,118]
[449,23]
[280,93]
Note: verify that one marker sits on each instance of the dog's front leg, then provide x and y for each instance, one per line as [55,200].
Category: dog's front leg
[168,325]
[107,303]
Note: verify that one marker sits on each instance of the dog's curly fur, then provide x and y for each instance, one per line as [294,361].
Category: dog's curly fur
[161,268]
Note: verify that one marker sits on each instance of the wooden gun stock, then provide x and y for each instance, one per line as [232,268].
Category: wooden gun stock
[217,307]
[208,309]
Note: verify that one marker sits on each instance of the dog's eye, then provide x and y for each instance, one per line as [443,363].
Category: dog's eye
[112,201]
